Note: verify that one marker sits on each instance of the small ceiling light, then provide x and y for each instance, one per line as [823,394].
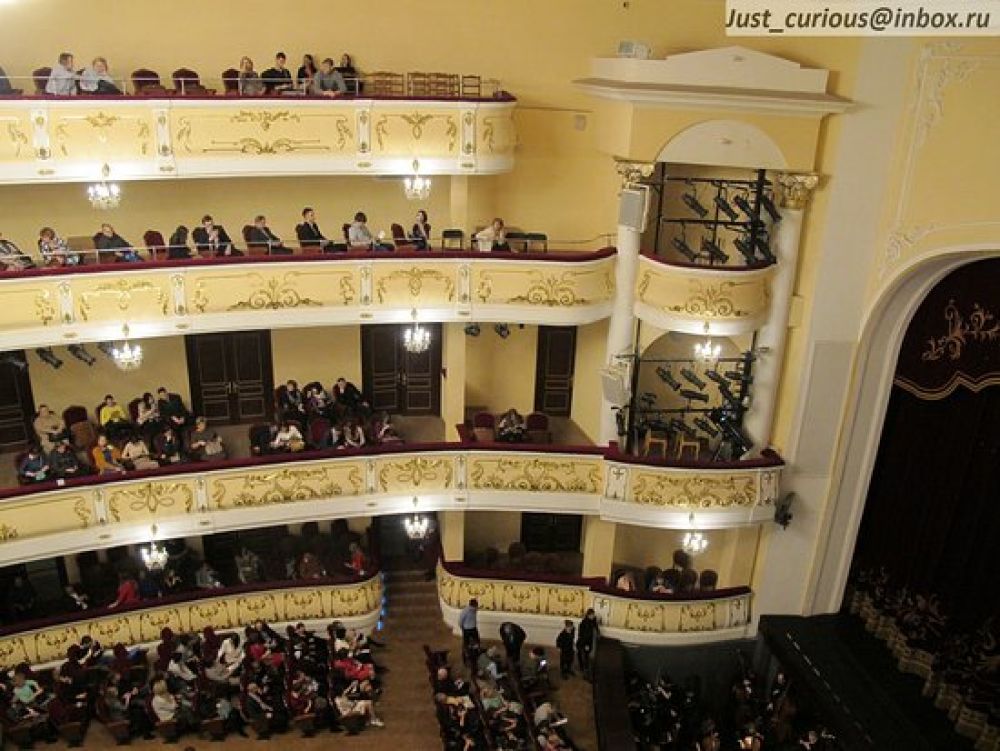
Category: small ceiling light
[416,338]
[417,188]
[694,542]
[104,195]
[126,356]
[707,351]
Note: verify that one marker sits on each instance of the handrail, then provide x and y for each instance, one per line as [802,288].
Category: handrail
[756,266]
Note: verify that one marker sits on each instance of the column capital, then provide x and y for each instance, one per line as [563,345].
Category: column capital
[796,189]
[633,172]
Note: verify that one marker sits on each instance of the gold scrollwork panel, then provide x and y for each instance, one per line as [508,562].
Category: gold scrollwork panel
[29,304]
[415,132]
[15,136]
[482,590]
[397,285]
[151,500]
[415,474]
[152,622]
[725,296]
[214,613]
[447,587]
[708,490]
[497,132]
[132,297]
[522,597]
[262,131]
[279,289]
[544,473]
[263,606]
[45,514]
[16,649]
[107,134]
[568,602]
[696,616]
[555,287]
[302,604]
[254,487]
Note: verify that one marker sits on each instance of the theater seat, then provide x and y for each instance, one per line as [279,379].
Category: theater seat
[484,427]
[399,238]
[187,82]
[146,82]
[231,82]
[453,238]
[537,425]
[155,244]
[41,78]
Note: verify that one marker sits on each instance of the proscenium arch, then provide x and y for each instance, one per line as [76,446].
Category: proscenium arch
[868,399]
[723,143]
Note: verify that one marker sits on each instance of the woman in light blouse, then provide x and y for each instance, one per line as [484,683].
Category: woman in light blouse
[54,249]
[250,83]
[49,428]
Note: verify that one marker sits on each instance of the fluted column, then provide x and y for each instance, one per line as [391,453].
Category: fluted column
[793,197]
[621,327]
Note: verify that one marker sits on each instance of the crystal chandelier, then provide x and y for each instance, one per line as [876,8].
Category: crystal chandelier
[155,557]
[417,527]
[126,356]
[104,195]
[694,542]
[416,338]
[707,351]
[417,188]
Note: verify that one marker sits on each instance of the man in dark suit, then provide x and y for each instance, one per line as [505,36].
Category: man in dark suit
[261,234]
[213,238]
[309,233]
[172,410]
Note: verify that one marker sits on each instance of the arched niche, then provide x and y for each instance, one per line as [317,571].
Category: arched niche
[724,143]
[861,430]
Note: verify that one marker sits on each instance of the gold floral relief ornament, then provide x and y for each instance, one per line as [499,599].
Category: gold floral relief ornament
[633,172]
[796,189]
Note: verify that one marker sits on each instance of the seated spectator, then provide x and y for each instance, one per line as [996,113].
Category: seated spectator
[135,455]
[352,703]
[148,416]
[63,462]
[261,234]
[354,436]
[288,438]
[309,233]
[12,258]
[689,581]
[128,591]
[488,665]
[107,458]
[213,238]
[317,401]
[360,237]
[384,431]
[149,586]
[493,238]
[206,444]
[309,567]
[73,599]
[249,83]
[536,667]
[27,692]
[20,598]
[348,398]
[97,80]
[49,427]
[167,448]
[511,427]
[291,401]
[327,81]
[54,250]
[62,79]
[306,72]
[350,74]
[357,562]
[278,78]
[113,419]
[625,581]
[248,568]
[172,409]
[420,235]
[206,577]
[168,708]
[659,586]
[177,247]
[108,240]
[34,467]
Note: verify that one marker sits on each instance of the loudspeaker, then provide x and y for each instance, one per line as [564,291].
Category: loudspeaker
[633,208]
[613,386]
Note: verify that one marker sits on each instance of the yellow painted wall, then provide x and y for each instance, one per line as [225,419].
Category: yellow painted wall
[317,354]
[500,373]
[591,344]
[453,356]
[496,529]
[164,364]
[731,552]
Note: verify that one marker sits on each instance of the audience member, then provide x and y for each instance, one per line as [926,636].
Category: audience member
[206,577]
[62,80]
[148,416]
[167,448]
[172,410]
[21,597]
[327,81]
[113,419]
[249,83]
[565,643]
[420,234]
[97,80]
[213,238]
[288,438]
[177,247]
[248,567]
[206,444]
[306,72]
[511,427]
[54,250]
[107,240]
[34,467]
[74,600]
[261,234]
[135,455]
[278,79]
[49,428]
[309,233]
[354,436]
[291,401]
[12,258]
[107,458]
[586,641]
[493,238]
[128,591]
[468,622]
[350,74]
[348,398]
[63,462]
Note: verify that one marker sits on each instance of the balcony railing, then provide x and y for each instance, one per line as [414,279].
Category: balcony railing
[47,519]
[91,303]
[356,603]
[541,603]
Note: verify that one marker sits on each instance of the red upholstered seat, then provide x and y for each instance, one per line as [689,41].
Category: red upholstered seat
[187,82]
[147,83]
[41,78]
[400,239]
[319,431]
[154,242]
[537,425]
[231,81]
[484,427]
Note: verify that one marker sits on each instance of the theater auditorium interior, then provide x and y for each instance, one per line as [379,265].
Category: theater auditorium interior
[495,376]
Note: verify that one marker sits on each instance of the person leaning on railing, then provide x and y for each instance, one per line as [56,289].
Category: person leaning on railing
[327,81]
[54,249]
[12,258]
[97,80]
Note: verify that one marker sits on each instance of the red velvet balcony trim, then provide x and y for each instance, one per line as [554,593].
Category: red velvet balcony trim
[554,256]
[204,594]
[504,97]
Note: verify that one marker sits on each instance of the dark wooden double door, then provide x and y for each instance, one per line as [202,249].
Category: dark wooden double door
[231,376]
[398,381]
[554,365]
[551,533]
[17,407]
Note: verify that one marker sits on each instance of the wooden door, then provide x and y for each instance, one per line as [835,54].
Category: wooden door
[231,376]
[17,406]
[555,361]
[398,381]
[551,533]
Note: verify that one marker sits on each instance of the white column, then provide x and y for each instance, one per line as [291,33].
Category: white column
[786,236]
[621,327]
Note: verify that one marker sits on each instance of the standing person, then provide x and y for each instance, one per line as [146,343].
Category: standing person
[513,637]
[586,638]
[564,643]
[468,621]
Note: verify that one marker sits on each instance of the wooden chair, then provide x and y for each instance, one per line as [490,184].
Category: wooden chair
[254,249]
[84,245]
[146,82]
[537,426]
[187,82]
[384,83]
[418,84]
[472,87]
[655,443]
[684,443]
[518,241]
[451,236]
[484,427]
[154,243]
[537,239]
[443,85]
[231,82]
[400,240]
[41,78]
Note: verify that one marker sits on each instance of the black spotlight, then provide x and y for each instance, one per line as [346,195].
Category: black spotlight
[725,208]
[472,329]
[502,330]
[691,201]
[668,378]
[713,250]
[81,354]
[46,355]
[769,207]
[691,377]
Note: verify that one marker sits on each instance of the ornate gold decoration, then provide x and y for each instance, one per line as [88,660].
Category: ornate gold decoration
[416,472]
[7,533]
[150,497]
[468,120]
[83,511]
[705,300]
[706,490]
[534,474]
[123,290]
[257,147]
[286,485]
[100,121]
[796,189]
[343,131]
[551,290]
[980,326]
[264,118]
[644,616]
[45,309]
[416,121]
[632,172]
[274,293]
[566,601]
[18,138]
[415,277]
[697,617]
[522,598]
